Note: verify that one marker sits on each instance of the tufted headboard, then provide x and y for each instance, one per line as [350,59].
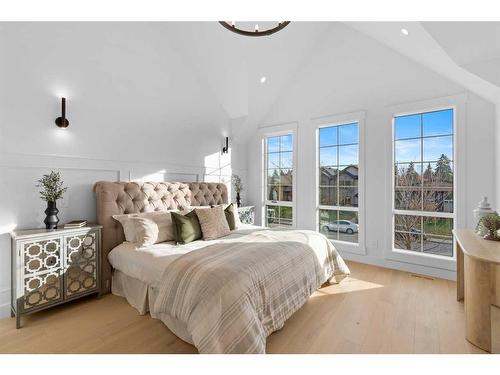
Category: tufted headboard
[115,198]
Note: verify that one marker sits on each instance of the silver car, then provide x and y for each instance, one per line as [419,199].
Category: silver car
[345,226]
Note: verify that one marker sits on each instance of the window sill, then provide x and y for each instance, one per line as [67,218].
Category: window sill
[349,247]
[428,260]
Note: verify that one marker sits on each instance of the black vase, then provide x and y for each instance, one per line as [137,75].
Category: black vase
[51,220]
[238,200]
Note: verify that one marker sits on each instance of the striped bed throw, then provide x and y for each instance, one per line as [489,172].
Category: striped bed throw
[233,294]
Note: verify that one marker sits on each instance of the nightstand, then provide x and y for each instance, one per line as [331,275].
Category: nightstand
[247,214]
[50,267]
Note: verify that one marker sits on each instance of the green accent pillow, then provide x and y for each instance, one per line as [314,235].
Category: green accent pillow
[230,212]
[187,227]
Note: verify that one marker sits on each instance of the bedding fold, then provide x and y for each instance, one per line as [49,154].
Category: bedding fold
[233,294]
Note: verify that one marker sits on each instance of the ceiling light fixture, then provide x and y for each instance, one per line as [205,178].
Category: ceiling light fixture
[231,25]
[263,79]
[405,31]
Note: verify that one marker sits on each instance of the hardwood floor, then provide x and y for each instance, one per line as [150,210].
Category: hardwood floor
[376,310]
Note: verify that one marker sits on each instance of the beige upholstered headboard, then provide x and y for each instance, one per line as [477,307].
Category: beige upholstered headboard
[114,198]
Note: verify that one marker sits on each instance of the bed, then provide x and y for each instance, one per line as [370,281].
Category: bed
[225,295]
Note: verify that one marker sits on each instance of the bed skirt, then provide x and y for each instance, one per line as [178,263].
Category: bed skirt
[142,297]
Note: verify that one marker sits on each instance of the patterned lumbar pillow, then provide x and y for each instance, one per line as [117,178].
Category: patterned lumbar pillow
[187,227]
[213,222]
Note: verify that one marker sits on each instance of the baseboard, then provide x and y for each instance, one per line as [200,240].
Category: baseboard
[5,311]
[401,266]
[5,303]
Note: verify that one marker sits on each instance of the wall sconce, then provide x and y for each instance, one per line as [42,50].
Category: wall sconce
[225,149]
[62,121]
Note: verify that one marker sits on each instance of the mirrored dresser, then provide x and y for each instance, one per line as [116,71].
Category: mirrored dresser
[50,267]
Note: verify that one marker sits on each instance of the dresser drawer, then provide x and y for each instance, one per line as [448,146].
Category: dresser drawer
[81,264]
[41,281]
[42,289]
[41,255]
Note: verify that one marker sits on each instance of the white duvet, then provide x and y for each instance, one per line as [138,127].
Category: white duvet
[148,264]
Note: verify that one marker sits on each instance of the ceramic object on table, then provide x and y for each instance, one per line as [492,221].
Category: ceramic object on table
[483,208]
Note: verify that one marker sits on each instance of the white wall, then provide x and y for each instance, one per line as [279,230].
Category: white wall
[135,111]
[357,74]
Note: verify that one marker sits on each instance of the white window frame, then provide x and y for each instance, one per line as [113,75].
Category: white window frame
[336,120]
[457,103]
[276,131]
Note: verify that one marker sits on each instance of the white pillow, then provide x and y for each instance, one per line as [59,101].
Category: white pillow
[146,231]
[127,225]
[163,220]
[237,221]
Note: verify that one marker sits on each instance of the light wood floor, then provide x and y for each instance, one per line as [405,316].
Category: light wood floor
[376,310]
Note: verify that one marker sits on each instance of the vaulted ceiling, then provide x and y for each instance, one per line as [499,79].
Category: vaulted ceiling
[474,46]
[466,53]
[198,74]
[230,66]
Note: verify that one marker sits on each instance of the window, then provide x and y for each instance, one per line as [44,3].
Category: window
[279,181]
[423,182]
[338,182]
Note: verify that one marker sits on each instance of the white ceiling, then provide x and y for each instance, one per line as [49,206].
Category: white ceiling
[421,46]
[467,42]
[475,46]
[198,74]
[349,71]
[230,66]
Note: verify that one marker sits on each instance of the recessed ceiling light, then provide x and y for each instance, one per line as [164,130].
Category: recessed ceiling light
[263,79]
[405,31]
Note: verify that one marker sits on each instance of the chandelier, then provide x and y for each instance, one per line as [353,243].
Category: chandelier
[255,32]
